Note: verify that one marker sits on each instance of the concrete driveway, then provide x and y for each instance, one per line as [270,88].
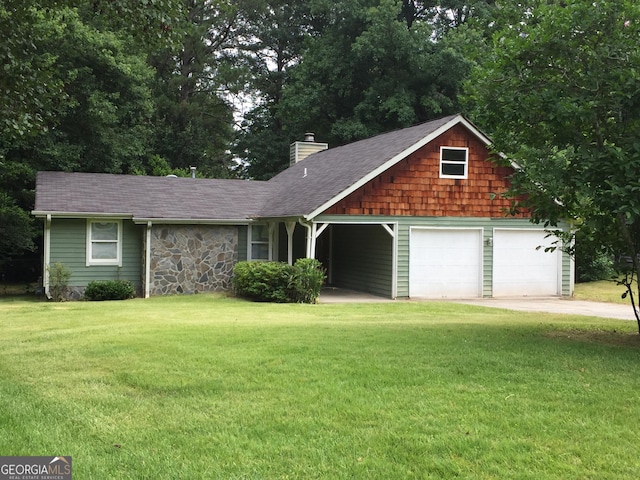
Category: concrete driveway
[557,305]
[565,306]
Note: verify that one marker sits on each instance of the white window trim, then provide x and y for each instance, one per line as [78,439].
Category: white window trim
[466,162]
[89,250]
[251,242]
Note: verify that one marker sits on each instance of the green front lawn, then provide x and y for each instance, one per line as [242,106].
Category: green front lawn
[206,387]
[601,291]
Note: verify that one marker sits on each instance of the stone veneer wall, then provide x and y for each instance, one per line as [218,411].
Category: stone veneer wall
[191,259]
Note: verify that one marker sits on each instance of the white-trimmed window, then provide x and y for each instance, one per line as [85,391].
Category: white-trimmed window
[259,242]
[259,245]
[454,162]
[104,242]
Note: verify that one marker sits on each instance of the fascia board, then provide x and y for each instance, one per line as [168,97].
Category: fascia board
[191,221]
[45,213]
[140,220]
[286,218]
[405,153]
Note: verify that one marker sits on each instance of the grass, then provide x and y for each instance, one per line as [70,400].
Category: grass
[212,387]
[601,291]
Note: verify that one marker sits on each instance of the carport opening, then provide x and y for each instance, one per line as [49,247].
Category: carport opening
[356,257]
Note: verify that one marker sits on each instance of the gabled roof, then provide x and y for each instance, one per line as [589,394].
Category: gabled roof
[306,189]
[314,184]
[148,198]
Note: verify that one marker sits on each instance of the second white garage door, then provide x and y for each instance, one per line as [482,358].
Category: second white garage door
[445,263]
[520,268]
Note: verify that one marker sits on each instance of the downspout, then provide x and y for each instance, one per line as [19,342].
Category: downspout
[311,238]
[147,263]
[47,255]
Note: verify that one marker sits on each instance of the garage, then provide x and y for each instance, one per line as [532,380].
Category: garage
[520,268]
[445,262]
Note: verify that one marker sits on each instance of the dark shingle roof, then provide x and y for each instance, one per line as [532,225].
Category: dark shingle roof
[301,190]
[309,184]
[149,197]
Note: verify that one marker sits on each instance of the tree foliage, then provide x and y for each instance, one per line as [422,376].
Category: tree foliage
[353,69]
[194,119]
[103,125]
[560,94]
[29,82]
[278,31]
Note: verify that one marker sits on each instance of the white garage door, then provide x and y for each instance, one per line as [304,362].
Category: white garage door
[445,263]
[522,269]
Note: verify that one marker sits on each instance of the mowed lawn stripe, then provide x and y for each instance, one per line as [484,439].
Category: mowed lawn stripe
[213,387]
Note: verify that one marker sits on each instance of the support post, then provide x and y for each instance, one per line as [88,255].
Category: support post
[147,263]
[47,255]
[290,226]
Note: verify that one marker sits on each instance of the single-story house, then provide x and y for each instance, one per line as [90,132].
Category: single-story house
[411,213]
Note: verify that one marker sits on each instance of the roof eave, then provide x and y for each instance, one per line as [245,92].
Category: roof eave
[193,221]
[60,214]
[141,220]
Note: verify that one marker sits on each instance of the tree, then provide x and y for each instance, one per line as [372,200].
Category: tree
[559,92]
[104,123]
[29,84]
[278,31]
[351,70]
[367,73]
[194,121]
[443,15]
[73,95]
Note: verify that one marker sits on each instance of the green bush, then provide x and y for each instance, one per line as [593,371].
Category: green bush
[307,280]
[263,281]
[109,290]
[59,275]
[278,281]
[591,270]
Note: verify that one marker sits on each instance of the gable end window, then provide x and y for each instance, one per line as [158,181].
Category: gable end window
[104,242]
[454,162]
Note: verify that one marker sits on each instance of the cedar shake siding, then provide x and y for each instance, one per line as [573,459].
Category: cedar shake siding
[412,187]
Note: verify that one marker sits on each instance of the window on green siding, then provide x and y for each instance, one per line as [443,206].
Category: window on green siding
[259,239]
[104,242]
[454,162]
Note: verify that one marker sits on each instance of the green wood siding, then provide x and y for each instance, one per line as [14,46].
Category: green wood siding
[68,246]
[404,224]
[362,258]
[567,275]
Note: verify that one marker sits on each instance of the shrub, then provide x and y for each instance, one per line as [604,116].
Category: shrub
[307,280]
[263,281]
[591,269]
[59,275]
[109,290]
[278,281]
